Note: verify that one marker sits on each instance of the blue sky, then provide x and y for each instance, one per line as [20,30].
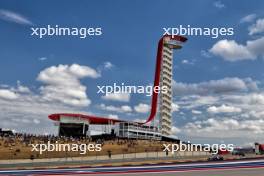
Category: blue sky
[210,74]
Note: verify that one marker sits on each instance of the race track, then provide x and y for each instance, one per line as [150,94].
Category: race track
[230,168]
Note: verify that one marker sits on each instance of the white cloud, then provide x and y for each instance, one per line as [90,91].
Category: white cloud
[113,116]
[223,109]
[121,109]
[142,108]
[257,28]
[230,50]
[205,54]
[248,99]
[254,98]
[42,58]
[36,121]
[217,128]
[238,111]
[8,94]
[14,17]
[187,62]
[108,65]
[190,102]
[63,83]
[105,66]
[250,105]
[21,88]
[175,107]
[196,112]
[26,112]
[219,4]
[175,130]
[249,18]
[224,85]
[14,91]
[123,97]
[241,114]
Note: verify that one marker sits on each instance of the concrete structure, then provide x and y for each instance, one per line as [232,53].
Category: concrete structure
[136,131]
[79,125]
[166,72]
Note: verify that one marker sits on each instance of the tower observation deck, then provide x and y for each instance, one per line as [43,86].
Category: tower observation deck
[163,77]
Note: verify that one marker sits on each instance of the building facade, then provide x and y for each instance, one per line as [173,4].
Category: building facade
[166,73]
[165,99]
[132,130]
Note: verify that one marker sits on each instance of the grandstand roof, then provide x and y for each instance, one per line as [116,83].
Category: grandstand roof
[90,118]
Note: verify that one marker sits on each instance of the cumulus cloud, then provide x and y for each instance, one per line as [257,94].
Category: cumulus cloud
[219,4]
[15,90]
[108,65]
[20,88]
[14,17]
[187,62]
[28,112]
[191,102]
[231,51]
[217,127]
[223,109]
[175,130]
[63,83]
[121,109]
[105,66]
[224,85]
[250,99]
[175,107]
[42,58]
[23,89]
[205,54]
[241,114]
[254,98]
[142,108]
[257,28]
[8,94]
[249,18]
[113,116]
[250,104]
[236,106]
[122,97]
[196,112]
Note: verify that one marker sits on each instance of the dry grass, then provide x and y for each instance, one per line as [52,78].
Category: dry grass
[20,150]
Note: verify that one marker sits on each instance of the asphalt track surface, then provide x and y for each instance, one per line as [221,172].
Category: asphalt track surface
[230,168]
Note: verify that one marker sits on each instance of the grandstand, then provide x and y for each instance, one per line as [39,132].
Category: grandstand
[18,146]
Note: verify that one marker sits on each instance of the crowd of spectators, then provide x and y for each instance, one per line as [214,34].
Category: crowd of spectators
[18,143]
[10,138]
